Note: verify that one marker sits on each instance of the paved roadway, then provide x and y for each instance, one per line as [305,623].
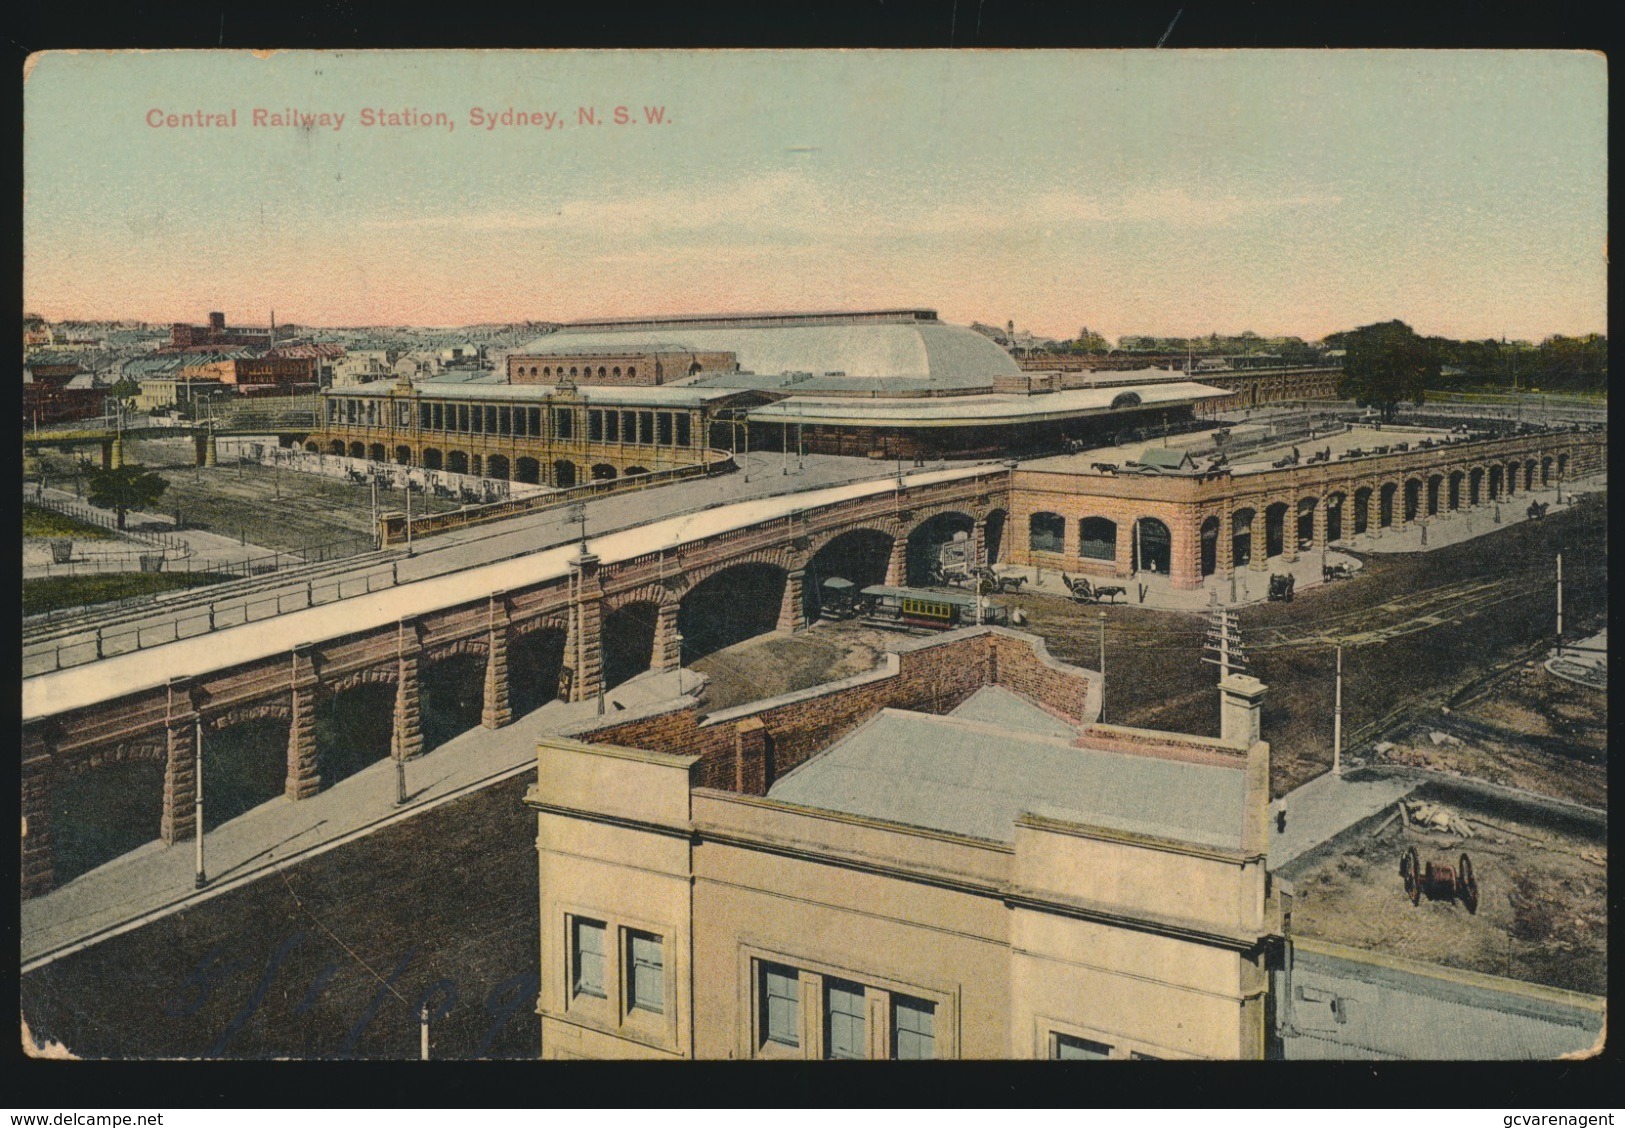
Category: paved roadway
[185,614]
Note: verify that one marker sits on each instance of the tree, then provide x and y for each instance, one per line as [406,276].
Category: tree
[125,488]
[1385,365]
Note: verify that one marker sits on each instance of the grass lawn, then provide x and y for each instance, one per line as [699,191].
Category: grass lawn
[52,592]
[41,522]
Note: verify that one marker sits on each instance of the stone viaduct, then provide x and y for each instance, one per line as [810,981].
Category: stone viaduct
[584,607]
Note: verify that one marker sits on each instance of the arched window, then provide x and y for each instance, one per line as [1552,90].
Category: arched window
[601,372]
[1097,538]
[1046,532]
[631,372]
[616,372]
[1126,399]
[548,371]
[572,371]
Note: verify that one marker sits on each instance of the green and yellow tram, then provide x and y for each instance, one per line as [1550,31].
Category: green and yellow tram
[913,608]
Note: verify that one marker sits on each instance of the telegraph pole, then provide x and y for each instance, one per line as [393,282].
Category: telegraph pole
[1560,605]
[377,539]
[1337,719]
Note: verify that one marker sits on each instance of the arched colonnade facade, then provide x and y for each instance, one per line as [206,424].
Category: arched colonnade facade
[1189,527]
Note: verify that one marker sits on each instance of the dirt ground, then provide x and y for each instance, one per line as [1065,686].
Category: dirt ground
[282,510]
[769,665]
[1530,699]
[1543,901]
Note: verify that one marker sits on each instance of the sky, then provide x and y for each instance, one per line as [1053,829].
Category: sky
[1133,192]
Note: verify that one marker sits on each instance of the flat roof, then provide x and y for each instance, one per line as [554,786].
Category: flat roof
[1391,1013]
[976,777]
[976,410]
[770,317]
[639,395]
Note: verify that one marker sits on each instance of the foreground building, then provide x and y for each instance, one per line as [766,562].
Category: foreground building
[943,858]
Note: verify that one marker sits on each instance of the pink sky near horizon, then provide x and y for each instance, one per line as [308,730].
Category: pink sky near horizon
[1461,192]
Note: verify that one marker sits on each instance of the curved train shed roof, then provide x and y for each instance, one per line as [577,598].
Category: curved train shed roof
[909,345]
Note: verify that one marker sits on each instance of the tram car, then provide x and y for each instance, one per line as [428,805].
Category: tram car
[915,609]
[837,598]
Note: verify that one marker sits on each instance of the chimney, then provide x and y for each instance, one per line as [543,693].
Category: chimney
[217,322]
[1241,700]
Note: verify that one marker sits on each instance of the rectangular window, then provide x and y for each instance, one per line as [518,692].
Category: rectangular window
[332,411]
[663,428]
[477,417]
[491,419]
[913,1025]
[587,957]
[629,426]
[612,426]
[595,425]
[781,1005]
[438,423]
[504,421]
[1067,1048]
[462,417]
[684,431]
[425,417]
[646,973]
[844,1014]
[561,422]
[535,414]
[646,428]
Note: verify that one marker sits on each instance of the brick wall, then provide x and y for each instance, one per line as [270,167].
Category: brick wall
[745,750]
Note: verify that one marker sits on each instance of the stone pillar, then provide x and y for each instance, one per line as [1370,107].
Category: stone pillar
[38,853]
[792,613]
[1226,548]
[406,737]
[1241,700]
[496,712]
[667,654]
[1320,525]
[304,778]
[586,650]
[897,569]
[180,769]
[1185,553]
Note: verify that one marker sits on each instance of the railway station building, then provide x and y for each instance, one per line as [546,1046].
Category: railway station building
[946,857]
[598,399]
[1190,520]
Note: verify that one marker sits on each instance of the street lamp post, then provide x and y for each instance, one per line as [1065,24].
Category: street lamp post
[201,877]
[1103,667]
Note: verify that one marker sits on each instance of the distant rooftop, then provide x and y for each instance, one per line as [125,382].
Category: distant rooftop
[758,320]
[874,345]
[975,771]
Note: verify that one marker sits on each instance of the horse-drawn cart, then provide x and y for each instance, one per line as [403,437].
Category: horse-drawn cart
[1082,591]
